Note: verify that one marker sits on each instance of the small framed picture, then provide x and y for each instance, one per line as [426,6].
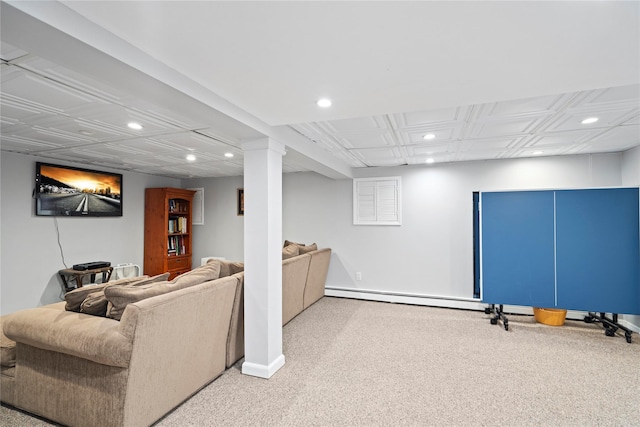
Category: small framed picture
[240,201]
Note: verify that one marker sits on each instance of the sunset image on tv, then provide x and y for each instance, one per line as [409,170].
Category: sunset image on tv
[67,191]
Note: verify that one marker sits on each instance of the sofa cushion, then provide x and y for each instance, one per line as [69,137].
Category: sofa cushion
[7,350]
[290,251]
[96,303]
[308,248]
[289,242]
[75,297]
[146,280]
[229,268]
[120,296]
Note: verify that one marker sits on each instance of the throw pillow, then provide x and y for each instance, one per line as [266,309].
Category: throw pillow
[289,242]
[228,268]
[121,296]
[96,303]
[146,280]
[309,248]
[290,251]
[236,267]
[75,297]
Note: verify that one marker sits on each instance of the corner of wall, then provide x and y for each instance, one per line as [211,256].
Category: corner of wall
[630,169]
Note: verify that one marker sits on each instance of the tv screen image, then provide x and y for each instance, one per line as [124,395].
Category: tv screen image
[70,191]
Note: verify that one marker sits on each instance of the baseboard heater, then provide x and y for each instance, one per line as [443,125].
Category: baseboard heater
[444,302]
[406,298]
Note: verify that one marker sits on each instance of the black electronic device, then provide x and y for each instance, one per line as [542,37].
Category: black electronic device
[91,265]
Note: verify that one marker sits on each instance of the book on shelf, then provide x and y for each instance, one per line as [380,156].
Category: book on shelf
[176,245]
[178,225]
[179,206]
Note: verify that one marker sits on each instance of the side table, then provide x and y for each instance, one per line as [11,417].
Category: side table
[69,275]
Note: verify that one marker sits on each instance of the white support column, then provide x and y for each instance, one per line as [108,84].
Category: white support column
[262,257]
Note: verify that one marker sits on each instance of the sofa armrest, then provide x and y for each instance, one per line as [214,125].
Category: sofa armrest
[81,335]
[235,340]
[294,277]
[179,347]
[317,277]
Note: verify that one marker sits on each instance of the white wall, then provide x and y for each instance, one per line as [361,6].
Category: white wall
[631,177]
[222,233]
[431,254]
[30,257]
[631,167]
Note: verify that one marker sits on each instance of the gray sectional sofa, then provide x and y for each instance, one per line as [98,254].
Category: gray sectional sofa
[172,338]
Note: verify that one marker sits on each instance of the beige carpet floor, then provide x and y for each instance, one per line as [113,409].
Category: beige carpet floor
[360,363]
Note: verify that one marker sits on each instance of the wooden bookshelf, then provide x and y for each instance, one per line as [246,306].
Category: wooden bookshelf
[167,231]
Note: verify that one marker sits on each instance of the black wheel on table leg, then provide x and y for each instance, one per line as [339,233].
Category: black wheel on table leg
[506,325]
[610,332]
[588,319]
[487,310]
[627,335]
[494,321]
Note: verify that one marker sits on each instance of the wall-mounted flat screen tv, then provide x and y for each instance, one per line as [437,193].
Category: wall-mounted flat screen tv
[70,191]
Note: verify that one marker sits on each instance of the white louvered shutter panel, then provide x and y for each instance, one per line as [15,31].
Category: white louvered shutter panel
[365,201]
[376,201]
[387,201]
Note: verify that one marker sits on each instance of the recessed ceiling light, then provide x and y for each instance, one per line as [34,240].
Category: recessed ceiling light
[228,155]
[430,160]
[134,126]
[537,153]
[191,157]
[589,120]
[429,136]
[324,102]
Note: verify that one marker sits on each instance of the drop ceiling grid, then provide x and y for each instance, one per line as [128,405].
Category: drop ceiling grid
[425,120]
[327,142]
[600,98]
[45,94]
[66,77]
[416,137]
[619,138]
[51,139]
[25,145]
[117,100]
[60,103]
[197,143]
[99,109]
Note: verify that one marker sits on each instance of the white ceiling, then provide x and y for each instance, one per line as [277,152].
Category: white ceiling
[490,80]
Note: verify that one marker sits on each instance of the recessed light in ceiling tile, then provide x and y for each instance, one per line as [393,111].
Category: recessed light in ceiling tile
[428,136]
[324,102]
[229,155]
[589,120]
[430,161]
[537,153]
[134,126]
[191,157]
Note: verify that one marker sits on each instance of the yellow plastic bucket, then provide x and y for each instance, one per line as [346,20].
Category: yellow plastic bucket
[550,316]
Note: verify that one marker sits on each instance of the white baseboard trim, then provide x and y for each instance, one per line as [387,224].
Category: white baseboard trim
[629,325]
[263,371]
[403,298]
[446,302]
